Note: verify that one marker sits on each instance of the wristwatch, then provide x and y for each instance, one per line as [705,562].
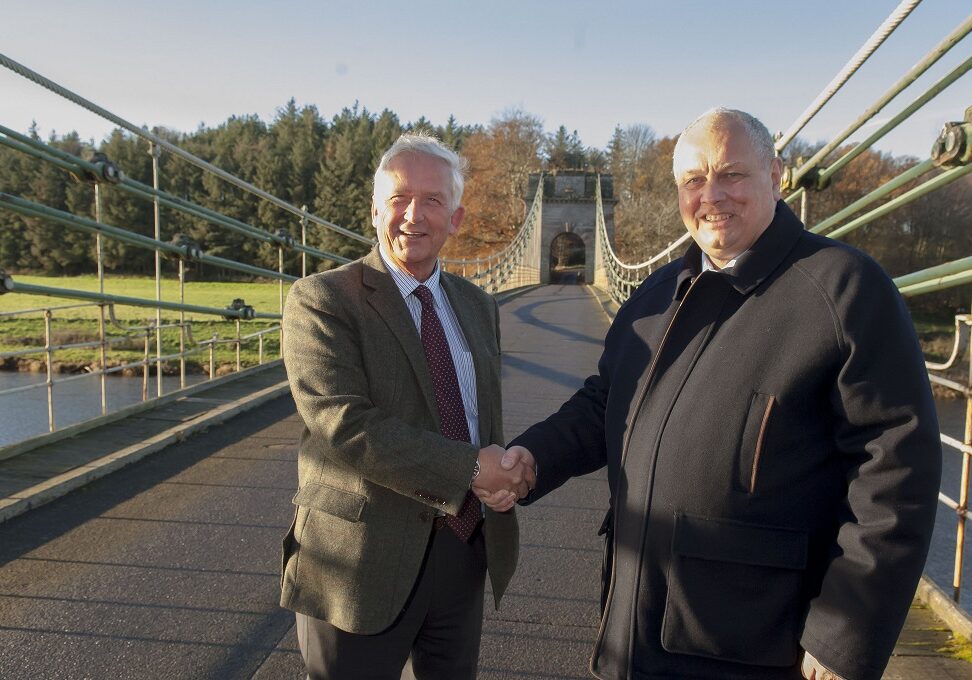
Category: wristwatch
[475,470]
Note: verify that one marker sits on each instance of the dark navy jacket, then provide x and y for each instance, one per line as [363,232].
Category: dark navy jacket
[774,461]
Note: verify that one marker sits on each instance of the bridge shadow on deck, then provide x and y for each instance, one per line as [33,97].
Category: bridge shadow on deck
[42,525]
[538,314]
[163,569]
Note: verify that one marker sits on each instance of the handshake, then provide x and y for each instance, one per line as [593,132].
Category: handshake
[505,476]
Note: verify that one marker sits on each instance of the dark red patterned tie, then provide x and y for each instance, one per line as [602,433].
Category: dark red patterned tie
[448,399]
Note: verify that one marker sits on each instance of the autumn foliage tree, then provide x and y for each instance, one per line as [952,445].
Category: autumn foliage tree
[501,158]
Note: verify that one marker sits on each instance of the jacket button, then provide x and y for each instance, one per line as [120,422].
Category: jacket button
[425,516]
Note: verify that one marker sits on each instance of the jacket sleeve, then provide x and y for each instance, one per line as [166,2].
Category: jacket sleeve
[330,385]
[886,430]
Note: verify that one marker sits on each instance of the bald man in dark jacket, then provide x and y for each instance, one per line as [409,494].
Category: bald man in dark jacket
[772,447]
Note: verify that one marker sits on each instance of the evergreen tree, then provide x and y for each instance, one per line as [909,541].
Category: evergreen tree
[344,182]
[387,129]
[14,252]
[121,209]
[564,151]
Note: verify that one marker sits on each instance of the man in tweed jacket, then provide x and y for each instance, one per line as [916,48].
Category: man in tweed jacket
[378,578]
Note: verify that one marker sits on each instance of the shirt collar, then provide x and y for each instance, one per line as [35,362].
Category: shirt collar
[406,282]
[707,264]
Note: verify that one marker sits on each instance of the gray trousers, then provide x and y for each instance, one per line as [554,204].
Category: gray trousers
[436,636]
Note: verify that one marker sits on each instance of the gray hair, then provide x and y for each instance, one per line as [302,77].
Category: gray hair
[759,136]
[428,145]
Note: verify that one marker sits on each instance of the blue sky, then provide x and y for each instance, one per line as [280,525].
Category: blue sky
[585,65]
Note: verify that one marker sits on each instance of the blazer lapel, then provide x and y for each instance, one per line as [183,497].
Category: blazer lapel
[386,300]
[472,320]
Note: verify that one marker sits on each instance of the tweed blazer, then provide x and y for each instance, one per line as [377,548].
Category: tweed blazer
[373,467]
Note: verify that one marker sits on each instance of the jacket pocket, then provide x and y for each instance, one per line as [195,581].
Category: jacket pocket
[753,440]
[607,555]
[287,547]
[338,502]
[735,591]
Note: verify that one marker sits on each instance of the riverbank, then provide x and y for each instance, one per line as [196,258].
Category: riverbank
[75,327]
[77,345]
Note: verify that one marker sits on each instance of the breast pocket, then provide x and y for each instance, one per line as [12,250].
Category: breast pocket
[734,591]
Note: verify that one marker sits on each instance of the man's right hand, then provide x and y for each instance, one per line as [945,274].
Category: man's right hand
[502,479]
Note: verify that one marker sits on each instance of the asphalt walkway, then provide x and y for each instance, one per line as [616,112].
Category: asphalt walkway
[169,568]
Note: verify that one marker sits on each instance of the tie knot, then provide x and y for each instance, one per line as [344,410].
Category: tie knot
[424,295]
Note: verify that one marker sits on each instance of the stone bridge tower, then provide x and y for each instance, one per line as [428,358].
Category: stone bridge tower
[568,232]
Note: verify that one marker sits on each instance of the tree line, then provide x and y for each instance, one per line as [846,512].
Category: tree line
[328,165]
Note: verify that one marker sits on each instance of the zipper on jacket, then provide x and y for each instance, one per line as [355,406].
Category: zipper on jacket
[599,640]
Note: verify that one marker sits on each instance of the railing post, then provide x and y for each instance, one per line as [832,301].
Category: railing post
[963,500]
[103,352]
[212,357]
[48,350]
[182,324]
[963,505]
[280,263]
[260,350]
[102,339]
[303,240]
[145,364]
[238,343]
[156,152]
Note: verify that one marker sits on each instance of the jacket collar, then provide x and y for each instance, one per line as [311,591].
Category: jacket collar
[757,263]
[386,299]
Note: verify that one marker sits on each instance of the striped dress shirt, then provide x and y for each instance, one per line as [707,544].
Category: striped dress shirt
[458,347]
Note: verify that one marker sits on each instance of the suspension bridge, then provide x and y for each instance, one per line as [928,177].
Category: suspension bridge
[115,562]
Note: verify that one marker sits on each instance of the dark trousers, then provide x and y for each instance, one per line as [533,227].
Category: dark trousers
[436,636]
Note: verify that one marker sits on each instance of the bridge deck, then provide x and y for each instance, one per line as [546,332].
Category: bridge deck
[169,567]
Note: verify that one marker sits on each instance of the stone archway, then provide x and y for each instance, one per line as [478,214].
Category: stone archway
[568,259]
[570,211]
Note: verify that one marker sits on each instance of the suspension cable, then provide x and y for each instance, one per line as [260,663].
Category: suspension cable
[878,37]
[37,78]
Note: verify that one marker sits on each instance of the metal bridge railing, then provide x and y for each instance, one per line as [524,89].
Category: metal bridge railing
[951,159]
[516,265]
[98,172]
[611,274]
[145,334]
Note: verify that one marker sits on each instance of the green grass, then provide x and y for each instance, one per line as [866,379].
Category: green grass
[80,324]
[958,648]
[263,297]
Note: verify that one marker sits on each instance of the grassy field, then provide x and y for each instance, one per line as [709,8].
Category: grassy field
[79,324]
[263,297]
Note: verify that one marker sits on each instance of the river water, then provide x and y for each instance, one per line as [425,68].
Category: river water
[24,415]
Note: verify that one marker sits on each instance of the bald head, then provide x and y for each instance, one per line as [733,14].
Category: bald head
[719,118]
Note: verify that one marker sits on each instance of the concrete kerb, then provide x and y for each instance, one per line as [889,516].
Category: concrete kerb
[945,608]
[27,445]
[62,484]
[507,295]
[606,302]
